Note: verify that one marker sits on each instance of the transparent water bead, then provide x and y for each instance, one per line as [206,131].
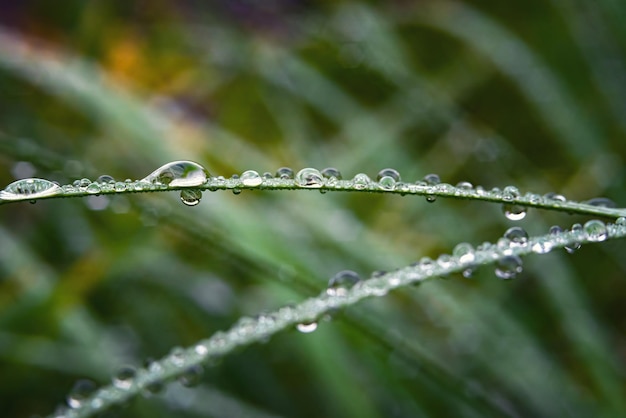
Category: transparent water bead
[310,178]
[432,179]
[331,172]
[514,212]
[510,193]
[30,189]
[508,267]
[80,393]
[555,197]
[542,246]
[251,178]
[339,284]
[464,185]
[125,377]
[601,202]
[387,178]
[191,376]
[284,173]
[190,197]
[94,188]
[576,232]
[361,181]
[518,236]
[464,252]
[178,174]
[307,327]
[595,231]
[105,179]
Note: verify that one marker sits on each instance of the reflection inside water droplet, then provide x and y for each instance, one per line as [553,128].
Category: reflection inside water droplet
[514,212]
[81,391]
[251,178]
[508,267]
[309,177]
[190,197]
[518,236]
[178,174]
[595,230]
[32,188]
[341,282]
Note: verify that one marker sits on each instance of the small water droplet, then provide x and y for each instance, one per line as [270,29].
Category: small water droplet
[120,186]
[464,252]
[309,177]
[432,179]
[514,212]
[307,327]
[284,173]
[124,378]
[178,174]
[387,178]
[508,267]
[267,175]
[30,189]
[339,284]
[83,183]
[555,230]
[595,230]
[191,376]
[80,393]
[431,198]
[602,202]
[464,185]
[93,188]
[105,179]
[621,221]
[577,232]
[542,246]
[445,261]
[361,181]
[555,197]
[177,356]
[510,193]
[331,172]
[251,178]
[190,197]
[518,236]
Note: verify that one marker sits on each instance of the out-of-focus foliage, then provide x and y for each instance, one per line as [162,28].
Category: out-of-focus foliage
[496,93]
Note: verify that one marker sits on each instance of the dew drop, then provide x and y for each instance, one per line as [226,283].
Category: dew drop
[555,197]
[191,376]
[80,393]
[508,267]
[464,185]
[514,212]
[339,284]
[510,193]
[85,182]
[331,172]
[555,230]
[307,327]
[577,232]
[284,173]
[387,178]
[178,174]
[621,221]
[309,177]
[518,236]
[431,198]
[251,178]
[361,181]
[124,378]
[120,186]
[190,197]
[464,252]
[105,179]
[94,188]
[432,179]
[602,202]
[595,230]
[30,189]
[542,246]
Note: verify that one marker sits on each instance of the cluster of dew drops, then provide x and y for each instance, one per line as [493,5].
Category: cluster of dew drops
[189,175]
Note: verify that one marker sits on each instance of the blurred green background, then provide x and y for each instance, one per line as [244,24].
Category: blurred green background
[496,93]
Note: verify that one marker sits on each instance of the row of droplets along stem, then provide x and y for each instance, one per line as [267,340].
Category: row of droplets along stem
[344,289]
[191,178]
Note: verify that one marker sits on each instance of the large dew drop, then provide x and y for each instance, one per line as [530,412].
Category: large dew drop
[514,212]
[387,178]
[178,174]
[80,393]
[309,177]
[32,188]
